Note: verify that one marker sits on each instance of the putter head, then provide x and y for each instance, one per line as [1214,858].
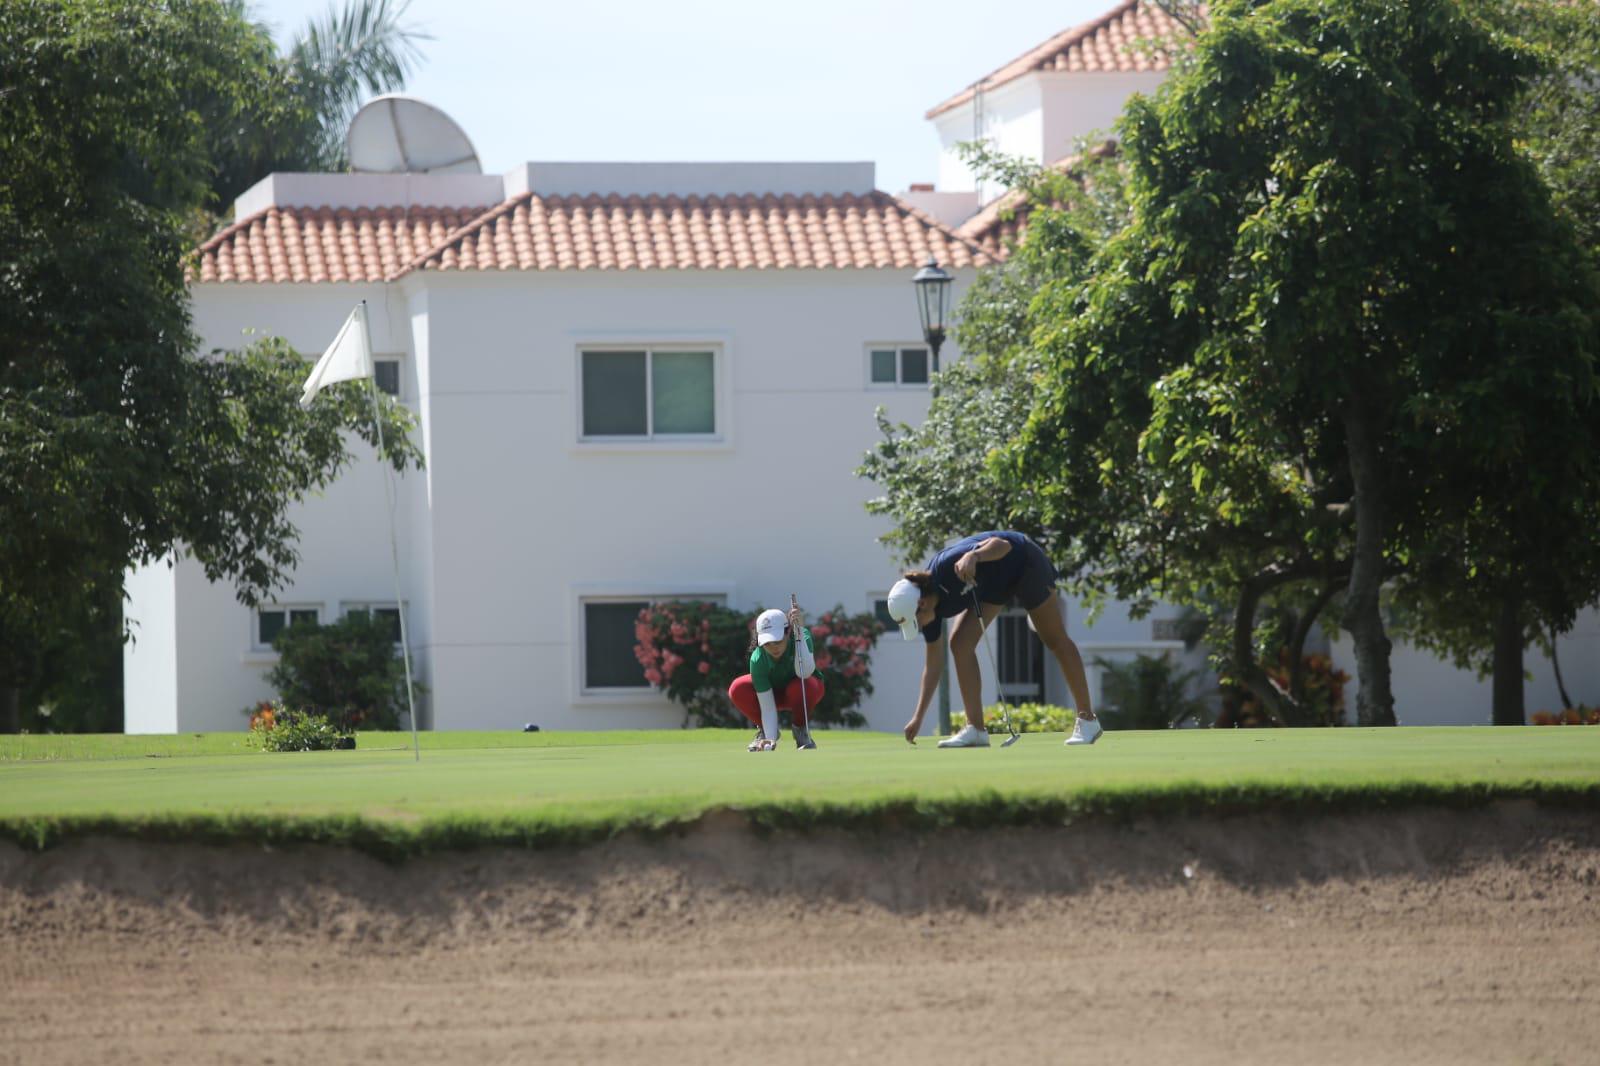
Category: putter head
[1012,739]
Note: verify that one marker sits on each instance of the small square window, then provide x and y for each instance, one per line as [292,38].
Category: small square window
[386,375]
[270,621]
[903,367]
[880,610]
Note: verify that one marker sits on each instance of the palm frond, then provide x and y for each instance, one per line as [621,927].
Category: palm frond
[351,51]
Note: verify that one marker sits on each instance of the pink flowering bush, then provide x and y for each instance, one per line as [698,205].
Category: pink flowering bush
[693,651]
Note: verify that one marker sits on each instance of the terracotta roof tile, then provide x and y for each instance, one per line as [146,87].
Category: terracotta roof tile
[310,244]
[1101,45]
[750,232]
[533,232]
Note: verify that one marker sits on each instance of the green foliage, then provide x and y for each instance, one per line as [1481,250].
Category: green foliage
[1311,357]
[1029,718]
[289,730]
[301,104]
[1150,692]
[348,671]
[117,445]
[844,644]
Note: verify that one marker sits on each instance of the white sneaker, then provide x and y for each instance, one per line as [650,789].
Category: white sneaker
[969,737]
[1085,731]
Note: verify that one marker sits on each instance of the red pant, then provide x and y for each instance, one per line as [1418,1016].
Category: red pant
[743,694]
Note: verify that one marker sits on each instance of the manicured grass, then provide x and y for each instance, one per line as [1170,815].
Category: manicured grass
[473,788]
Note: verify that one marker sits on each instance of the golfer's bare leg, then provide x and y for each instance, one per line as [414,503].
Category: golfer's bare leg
[964,637]
[1047,622]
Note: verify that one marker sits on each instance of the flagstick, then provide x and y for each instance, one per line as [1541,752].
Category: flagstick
[394,544]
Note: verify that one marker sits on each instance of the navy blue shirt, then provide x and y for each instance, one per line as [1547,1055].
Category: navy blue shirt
[995,583]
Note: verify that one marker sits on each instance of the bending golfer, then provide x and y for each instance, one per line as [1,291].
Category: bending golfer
[986,571]
[781,677]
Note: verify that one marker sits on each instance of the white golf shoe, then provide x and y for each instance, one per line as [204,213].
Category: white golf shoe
[1085,731]
[969,737]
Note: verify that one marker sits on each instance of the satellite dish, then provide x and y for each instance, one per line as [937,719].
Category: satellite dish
[396,134]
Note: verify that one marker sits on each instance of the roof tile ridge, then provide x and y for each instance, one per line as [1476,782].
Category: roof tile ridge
[476,222]
[213,242]
[980,257]
[1065,39]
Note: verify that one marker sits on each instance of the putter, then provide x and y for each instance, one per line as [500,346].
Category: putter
[1005,708]
[805,707]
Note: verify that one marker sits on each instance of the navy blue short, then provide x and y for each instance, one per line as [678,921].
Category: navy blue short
[1037,580]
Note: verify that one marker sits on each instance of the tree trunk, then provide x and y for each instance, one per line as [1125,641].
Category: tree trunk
[1362,615]
[1508,643]
[1555,664]
[10,709]
[1297,643]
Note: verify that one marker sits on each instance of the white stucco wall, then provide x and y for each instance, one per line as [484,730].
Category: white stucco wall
[1431,691]
[515,521]
[1040,116]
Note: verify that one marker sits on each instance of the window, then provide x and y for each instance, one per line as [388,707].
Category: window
[648,394]
[906,366]
[608,661]
[270,621]
[608,642]
[385,612]
[386,374]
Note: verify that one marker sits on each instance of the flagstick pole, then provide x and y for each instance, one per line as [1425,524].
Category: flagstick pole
[394,543]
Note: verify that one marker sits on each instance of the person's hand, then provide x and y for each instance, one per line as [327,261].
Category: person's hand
[913,727]
[794,619]
[967,567]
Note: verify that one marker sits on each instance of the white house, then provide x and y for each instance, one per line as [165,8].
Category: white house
[612,366]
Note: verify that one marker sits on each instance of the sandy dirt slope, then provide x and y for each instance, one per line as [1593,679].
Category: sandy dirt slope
[1419,938]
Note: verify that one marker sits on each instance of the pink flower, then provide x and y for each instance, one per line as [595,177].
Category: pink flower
[680,632]
[653,676]
[705,668]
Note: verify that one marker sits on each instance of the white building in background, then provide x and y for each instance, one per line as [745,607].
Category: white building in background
[612,365]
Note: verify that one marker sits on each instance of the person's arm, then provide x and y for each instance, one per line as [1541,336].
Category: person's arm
[805,662]
[991,549]
[932,670]
[769,714]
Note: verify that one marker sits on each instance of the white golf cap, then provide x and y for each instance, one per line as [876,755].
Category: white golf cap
[770,625]
[903,600]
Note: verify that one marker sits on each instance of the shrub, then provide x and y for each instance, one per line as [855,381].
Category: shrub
[1323,697]
[693,650]
[347,671]
[1579,715]
[278,729]
[1151,692]
[1028,718]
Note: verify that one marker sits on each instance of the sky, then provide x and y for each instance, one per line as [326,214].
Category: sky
[709,80]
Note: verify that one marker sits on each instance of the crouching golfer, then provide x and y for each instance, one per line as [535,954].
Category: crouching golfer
[986,571]
[781,661]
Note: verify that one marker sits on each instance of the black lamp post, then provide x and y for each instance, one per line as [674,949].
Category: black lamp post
[933,302]
[932,283]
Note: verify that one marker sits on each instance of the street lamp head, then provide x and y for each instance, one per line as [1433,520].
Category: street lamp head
[933,300]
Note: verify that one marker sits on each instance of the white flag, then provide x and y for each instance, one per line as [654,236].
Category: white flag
[347,358]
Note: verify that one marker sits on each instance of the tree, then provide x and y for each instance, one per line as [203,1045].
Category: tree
[117,445]
[297,113]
